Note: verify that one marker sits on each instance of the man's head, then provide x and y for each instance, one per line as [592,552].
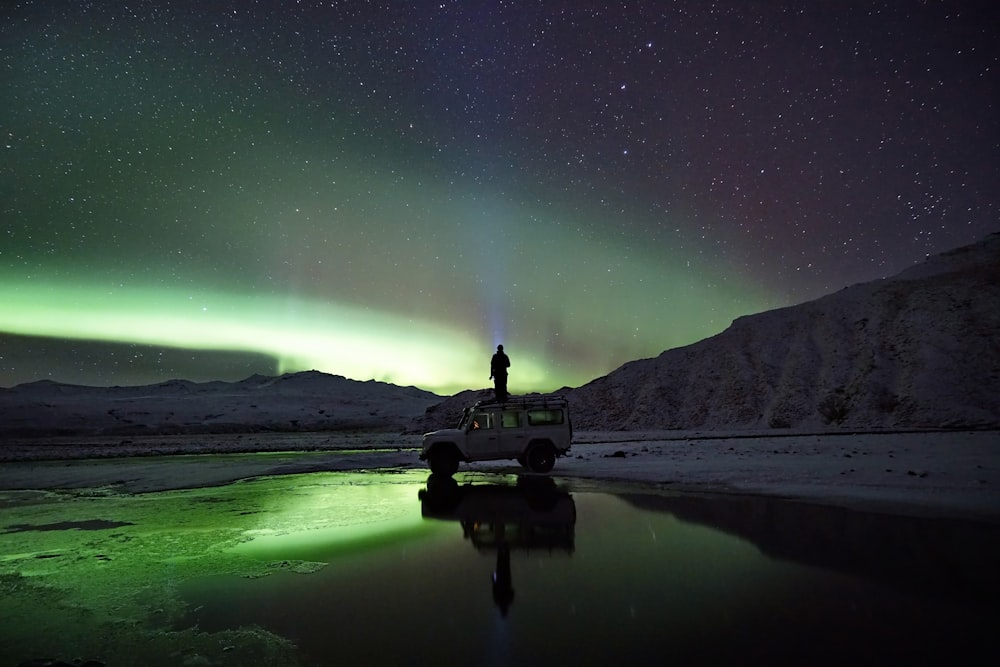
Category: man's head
[499,348]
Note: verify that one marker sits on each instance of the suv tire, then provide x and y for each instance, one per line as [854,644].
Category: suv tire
[541,457]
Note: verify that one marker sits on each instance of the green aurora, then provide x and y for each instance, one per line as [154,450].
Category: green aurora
[388,196]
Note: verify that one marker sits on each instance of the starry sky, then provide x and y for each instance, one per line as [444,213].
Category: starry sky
[388,189]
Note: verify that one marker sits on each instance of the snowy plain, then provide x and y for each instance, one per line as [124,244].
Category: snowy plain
[944,474]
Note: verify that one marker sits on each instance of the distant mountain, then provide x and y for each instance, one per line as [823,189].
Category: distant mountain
[921,349]
[307,401]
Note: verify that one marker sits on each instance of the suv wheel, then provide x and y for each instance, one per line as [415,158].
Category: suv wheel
[444,461]
[541,457]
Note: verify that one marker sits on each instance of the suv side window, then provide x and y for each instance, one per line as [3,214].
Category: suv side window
[511,418]
[545,417]
[481,420]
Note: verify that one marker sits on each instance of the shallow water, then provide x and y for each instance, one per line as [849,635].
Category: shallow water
[527,573]
[400,569]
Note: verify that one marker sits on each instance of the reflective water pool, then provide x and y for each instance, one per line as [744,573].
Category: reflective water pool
[402,569]
[527,572]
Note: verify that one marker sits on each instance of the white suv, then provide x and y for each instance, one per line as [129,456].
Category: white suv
[532,429]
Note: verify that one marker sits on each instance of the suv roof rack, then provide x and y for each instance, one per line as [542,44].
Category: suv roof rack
[525,401]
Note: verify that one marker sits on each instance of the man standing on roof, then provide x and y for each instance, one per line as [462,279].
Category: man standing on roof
[498,373]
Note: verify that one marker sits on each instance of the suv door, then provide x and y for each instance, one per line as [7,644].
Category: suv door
[482,435]
[513,433]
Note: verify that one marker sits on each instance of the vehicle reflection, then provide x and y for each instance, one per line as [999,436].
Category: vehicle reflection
[533,514]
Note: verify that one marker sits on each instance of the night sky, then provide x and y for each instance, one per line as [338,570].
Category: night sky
[387,190]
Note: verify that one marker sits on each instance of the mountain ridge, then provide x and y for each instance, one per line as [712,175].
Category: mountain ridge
[917,350]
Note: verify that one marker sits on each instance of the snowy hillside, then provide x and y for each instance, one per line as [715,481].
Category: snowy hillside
[917,350]
[308,401]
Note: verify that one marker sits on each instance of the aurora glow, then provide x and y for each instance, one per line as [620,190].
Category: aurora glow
[388,194]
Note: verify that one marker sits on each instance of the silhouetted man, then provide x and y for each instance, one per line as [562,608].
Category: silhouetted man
[498,373]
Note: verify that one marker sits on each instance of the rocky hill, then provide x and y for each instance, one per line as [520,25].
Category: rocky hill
[919,350]
[307,401]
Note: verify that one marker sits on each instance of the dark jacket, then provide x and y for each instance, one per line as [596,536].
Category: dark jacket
[499,364]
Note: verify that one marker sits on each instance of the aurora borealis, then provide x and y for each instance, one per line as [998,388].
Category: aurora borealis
[388,189]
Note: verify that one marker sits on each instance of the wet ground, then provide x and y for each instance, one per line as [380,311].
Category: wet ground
[398,568]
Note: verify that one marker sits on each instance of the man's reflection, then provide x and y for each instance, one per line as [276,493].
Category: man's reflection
[531,515]
[503,584]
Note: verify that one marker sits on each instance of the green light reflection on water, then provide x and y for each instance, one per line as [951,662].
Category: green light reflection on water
[319,519]
[110,593]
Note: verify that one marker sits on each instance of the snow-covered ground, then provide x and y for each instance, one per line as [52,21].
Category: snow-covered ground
[947,474]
